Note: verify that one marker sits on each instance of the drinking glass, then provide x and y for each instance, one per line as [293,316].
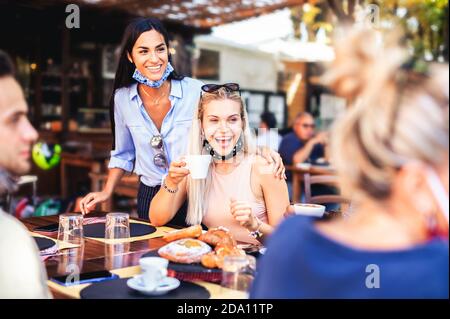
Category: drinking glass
[70,229]
[117,226]
[238,272]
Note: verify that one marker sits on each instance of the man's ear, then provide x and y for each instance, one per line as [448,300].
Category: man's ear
[129,58]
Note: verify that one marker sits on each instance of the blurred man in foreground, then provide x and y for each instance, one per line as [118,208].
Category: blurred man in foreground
[22,274]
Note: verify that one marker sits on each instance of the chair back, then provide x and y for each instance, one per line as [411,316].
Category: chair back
[330,180]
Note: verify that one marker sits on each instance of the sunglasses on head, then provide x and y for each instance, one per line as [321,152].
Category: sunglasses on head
[230,87]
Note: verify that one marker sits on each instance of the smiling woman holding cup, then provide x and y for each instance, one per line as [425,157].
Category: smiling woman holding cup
[225,182]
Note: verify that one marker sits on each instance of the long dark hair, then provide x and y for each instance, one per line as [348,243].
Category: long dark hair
[125,69]
[6,65]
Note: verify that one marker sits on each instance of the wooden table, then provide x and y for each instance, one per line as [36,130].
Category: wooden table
[95,255]
[297,177]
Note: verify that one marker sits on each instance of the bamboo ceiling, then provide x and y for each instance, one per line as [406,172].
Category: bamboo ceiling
[195,13]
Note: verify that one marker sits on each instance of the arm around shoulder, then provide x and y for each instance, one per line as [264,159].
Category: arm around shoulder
[275,191]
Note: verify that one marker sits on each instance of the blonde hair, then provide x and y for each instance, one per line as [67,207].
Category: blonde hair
[397,114]
[198,190]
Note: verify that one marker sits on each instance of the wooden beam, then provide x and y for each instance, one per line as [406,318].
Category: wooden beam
[198,15]
[65,80]
[242,14]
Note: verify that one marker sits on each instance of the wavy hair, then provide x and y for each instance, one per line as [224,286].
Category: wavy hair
[400,112]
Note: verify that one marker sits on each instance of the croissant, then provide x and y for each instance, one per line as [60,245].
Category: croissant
[214,236]
[209,260]
[225,245]
[190,232]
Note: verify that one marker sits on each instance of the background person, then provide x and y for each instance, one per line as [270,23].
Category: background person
[304,144]
[267,132]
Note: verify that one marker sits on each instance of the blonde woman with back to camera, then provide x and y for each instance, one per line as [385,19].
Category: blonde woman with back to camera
[391,153]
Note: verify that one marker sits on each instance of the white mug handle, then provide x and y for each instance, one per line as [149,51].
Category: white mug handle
[162,273]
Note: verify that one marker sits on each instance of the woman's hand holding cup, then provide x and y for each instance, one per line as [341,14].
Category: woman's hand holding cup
[177,173]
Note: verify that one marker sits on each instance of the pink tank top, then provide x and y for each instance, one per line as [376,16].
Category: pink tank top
[233,185]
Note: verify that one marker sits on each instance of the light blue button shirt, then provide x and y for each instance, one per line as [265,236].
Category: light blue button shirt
[134,129]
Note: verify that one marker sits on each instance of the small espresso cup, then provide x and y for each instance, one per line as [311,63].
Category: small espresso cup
[154,270]
[315,210]
[198,165]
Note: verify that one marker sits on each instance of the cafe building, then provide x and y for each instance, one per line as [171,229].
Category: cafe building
[66,58]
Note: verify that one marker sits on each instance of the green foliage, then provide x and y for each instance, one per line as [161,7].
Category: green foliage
[425,22]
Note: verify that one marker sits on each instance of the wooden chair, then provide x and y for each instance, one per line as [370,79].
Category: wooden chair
[128,186]
[330,180]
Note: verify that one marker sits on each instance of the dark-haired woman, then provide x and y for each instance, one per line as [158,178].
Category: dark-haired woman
[151,111]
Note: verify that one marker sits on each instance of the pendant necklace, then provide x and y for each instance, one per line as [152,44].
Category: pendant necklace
[155,102]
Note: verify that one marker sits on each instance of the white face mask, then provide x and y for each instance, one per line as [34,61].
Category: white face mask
[438,191]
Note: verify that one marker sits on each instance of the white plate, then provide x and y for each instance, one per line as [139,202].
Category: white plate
[166,285]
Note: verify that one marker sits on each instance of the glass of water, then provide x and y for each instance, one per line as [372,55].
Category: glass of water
[117,226]
[238,272]
[70,229]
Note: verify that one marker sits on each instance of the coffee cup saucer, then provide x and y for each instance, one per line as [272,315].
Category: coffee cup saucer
[166,285]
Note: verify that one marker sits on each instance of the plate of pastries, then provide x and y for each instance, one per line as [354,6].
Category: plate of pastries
[195,247]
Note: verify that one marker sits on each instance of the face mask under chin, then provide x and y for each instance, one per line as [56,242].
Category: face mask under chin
[223,157]
[139,77]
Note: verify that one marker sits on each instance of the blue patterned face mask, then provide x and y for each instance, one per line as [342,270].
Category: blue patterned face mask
[138,76]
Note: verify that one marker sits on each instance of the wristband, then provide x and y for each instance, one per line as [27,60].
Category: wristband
[172,191]
[257,233]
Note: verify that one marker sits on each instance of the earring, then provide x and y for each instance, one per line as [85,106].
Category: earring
[428,215]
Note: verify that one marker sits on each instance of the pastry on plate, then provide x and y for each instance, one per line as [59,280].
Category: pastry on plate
[189,232]
[185,251]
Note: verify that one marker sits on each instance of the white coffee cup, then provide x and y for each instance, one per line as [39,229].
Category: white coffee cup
[309,209]
[303,165]
[198,165]
[154,270]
